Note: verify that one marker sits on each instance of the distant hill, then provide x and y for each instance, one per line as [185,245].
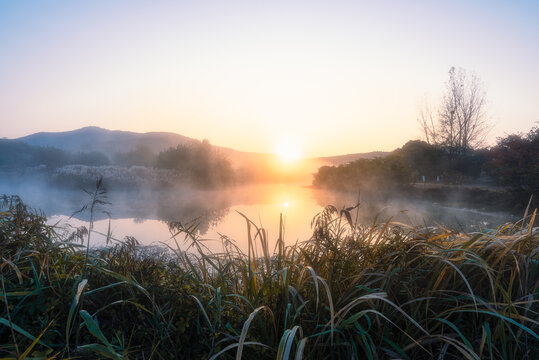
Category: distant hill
[94,138]
[344,159]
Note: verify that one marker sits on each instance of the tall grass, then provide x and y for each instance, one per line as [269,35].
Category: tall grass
[349,292]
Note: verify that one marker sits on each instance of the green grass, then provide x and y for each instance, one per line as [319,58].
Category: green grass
[383,291]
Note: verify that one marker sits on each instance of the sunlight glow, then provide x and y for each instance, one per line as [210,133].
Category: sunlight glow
[312,69]
[288,150]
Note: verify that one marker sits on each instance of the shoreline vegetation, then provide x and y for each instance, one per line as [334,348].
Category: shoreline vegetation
[382,291]
[500,178]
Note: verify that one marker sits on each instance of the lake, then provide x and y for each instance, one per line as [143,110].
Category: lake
[147,215]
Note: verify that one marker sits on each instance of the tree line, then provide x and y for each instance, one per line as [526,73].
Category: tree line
[198,163]
[18,155]
[512,162]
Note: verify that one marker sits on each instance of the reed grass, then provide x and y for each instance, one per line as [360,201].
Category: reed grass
[384,291]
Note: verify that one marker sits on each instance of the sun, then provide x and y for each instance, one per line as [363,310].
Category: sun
[288,150]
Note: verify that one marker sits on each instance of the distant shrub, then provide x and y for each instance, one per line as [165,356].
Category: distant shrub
[379,174]
[514,162]
[93,158]
[140,156]
[200,163]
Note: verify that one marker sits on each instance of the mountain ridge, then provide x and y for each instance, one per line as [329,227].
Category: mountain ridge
[94,138]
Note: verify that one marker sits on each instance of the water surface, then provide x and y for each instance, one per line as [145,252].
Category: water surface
[147,215]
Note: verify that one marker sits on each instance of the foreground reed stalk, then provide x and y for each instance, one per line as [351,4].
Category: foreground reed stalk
[385,291]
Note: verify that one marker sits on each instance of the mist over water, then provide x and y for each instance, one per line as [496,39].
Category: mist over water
[146,215]
[400,208]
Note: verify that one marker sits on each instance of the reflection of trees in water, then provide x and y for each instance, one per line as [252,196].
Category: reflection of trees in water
[199,225]
[197,219]
[181,204]
[200,209]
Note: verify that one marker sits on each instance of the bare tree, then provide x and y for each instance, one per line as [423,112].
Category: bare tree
[460,124]
[428,123]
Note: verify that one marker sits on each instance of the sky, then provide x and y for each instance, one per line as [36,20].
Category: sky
[324,77]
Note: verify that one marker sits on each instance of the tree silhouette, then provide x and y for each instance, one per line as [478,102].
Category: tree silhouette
[458,123]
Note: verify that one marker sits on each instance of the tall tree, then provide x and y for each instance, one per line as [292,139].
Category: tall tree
[459,123]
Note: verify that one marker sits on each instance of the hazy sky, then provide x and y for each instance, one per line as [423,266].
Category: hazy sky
[333,77]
